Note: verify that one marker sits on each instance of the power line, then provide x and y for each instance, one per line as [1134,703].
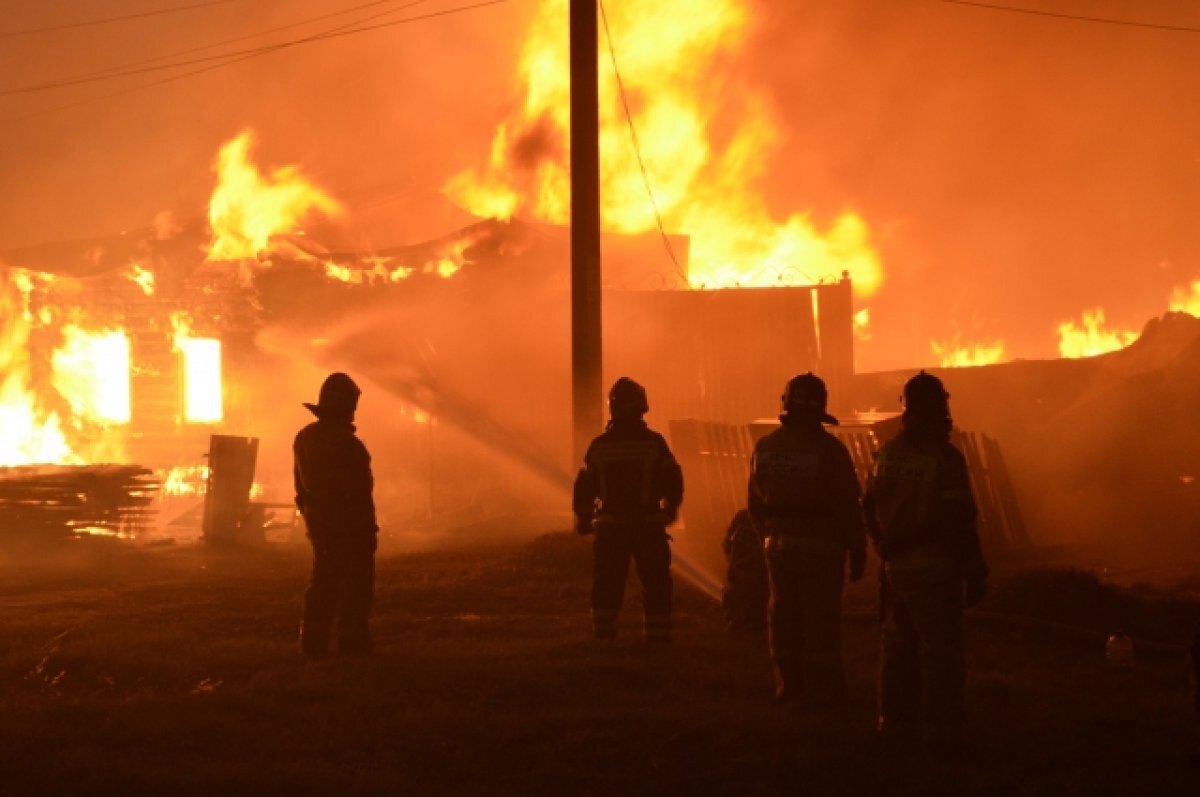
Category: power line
[338,31]
[243,37]
[235,58]
[109,20]
[637,149]
[1075,17]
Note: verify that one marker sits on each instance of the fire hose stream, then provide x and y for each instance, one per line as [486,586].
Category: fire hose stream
[416,386]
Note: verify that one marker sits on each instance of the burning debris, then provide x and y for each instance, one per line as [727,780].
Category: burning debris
[953,354]
[48,502]
[1091,336]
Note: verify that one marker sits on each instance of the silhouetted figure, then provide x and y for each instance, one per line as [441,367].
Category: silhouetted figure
[628,492]
[921,516]
[804,496]
[333,492]
[1196,686]
[747,590]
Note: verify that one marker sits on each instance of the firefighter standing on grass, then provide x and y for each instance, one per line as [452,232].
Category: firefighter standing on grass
[333,492]
[922,518]
[628,492]
[804,498]
[1196,686]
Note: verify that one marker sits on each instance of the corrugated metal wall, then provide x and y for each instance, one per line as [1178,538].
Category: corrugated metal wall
[725,355]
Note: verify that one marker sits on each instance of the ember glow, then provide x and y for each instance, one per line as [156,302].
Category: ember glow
[862,324]
[91,371]
[185,481]
[247,208]
[1091,336]
[706,186]
[953,354]
[444,261]
[144,278]
[201,366]
[191,481]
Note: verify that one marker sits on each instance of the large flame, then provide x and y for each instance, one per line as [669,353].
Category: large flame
[247,208]
[706,183]
[91,371]
[28,433]
[1187,300]
[1091,336]
[953,354]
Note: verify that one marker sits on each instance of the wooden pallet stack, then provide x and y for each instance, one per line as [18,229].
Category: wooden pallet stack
[43,503]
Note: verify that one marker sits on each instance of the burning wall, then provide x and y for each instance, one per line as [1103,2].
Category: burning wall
[100,371]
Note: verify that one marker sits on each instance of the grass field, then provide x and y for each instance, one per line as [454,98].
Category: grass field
[175,672]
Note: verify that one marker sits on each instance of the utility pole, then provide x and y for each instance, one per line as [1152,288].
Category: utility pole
[586,325]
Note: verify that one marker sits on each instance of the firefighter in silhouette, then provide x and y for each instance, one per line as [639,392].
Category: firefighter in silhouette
[804,497]
[1196,686]
[333,493]
[921,517]
[628,492]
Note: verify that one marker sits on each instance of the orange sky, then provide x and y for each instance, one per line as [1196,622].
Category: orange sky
[1014,170]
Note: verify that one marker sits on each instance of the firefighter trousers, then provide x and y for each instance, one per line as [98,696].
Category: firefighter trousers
[650,549]
[1196,668]
[341,589]
[922,672]
[804,623]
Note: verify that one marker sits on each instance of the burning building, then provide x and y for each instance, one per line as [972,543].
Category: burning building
[137,347]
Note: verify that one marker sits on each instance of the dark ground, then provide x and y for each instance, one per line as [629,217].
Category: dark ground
[174,671]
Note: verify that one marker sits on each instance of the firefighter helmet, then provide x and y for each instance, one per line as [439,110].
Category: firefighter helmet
[338,396]
[925,393]
[627,398]
[806,395]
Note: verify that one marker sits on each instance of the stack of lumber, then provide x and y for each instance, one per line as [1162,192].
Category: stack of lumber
[47,502]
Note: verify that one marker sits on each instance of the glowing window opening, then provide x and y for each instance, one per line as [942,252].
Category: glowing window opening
[202,400]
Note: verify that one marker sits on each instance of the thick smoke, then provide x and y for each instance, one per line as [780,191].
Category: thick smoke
[1014,170]
[374,117]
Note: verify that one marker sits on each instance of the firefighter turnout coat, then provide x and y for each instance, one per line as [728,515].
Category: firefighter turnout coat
[804,498]
[334,494]
[921,516]
[628,492]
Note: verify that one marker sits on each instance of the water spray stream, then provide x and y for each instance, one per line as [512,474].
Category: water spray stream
[418,388]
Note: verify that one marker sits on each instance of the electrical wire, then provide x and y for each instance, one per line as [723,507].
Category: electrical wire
[235,58]
[1074,17]
[243,37]
[236,54]
[637,148]
[8,34]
